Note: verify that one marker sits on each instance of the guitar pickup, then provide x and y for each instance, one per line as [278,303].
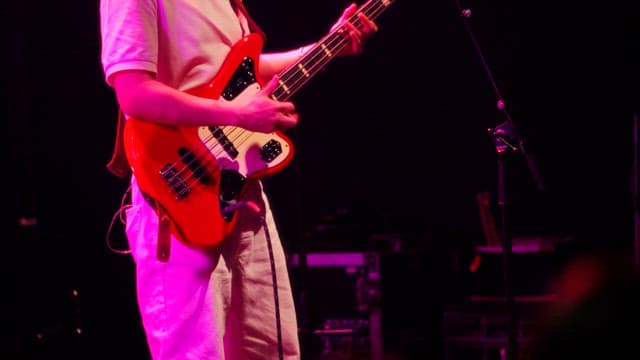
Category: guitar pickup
[224,141]
[198,169]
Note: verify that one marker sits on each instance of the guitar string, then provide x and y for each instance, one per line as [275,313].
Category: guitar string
[285,76]
[210,145]
[290,73]
[301,74]
[295,71]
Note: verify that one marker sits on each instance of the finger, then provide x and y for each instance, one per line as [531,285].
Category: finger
[287,107]
[355,36]
[271,85]
[356,43]
[350,27]
[368,25]
[354,33]
[287,120]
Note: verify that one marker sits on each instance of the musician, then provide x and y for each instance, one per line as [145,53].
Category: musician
[200,301]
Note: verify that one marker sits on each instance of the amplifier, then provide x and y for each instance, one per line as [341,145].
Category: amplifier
[338,297]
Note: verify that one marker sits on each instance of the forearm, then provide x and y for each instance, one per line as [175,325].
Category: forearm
[273,63]
[149,100]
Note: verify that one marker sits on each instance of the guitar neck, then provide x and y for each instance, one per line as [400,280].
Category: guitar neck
[318,57]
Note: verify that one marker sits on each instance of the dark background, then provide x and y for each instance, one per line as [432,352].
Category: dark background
[391,144]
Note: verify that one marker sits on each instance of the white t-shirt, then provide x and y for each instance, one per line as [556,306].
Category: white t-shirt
[183,42]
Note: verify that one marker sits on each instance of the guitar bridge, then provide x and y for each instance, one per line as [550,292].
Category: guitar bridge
[175,182]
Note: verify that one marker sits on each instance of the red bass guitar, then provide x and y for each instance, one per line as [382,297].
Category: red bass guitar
[197,174]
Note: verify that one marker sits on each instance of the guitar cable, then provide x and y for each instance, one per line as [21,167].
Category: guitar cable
[119,215]
[274,278]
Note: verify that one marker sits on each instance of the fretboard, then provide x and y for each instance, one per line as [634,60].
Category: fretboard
[318,57]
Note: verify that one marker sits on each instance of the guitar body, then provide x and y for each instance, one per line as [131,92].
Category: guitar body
[197,174]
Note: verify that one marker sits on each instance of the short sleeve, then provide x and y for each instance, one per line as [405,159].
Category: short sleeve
[129,36]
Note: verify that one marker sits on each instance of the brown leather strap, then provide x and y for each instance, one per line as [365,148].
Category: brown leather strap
[119,165]
[253,26]
[164,236]
[163,249]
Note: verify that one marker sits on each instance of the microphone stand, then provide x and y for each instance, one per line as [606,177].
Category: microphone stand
[635,181]
[506,141]
[504,138]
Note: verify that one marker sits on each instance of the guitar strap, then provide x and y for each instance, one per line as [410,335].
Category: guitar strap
[119,166]
[253,26]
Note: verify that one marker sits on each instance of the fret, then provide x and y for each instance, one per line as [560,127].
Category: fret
[317,58]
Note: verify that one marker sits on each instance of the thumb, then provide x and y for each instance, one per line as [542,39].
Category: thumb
[270,86]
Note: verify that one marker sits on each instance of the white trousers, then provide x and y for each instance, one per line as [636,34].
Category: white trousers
[217,303]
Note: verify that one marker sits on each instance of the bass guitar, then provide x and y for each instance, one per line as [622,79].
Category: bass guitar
[197,174]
